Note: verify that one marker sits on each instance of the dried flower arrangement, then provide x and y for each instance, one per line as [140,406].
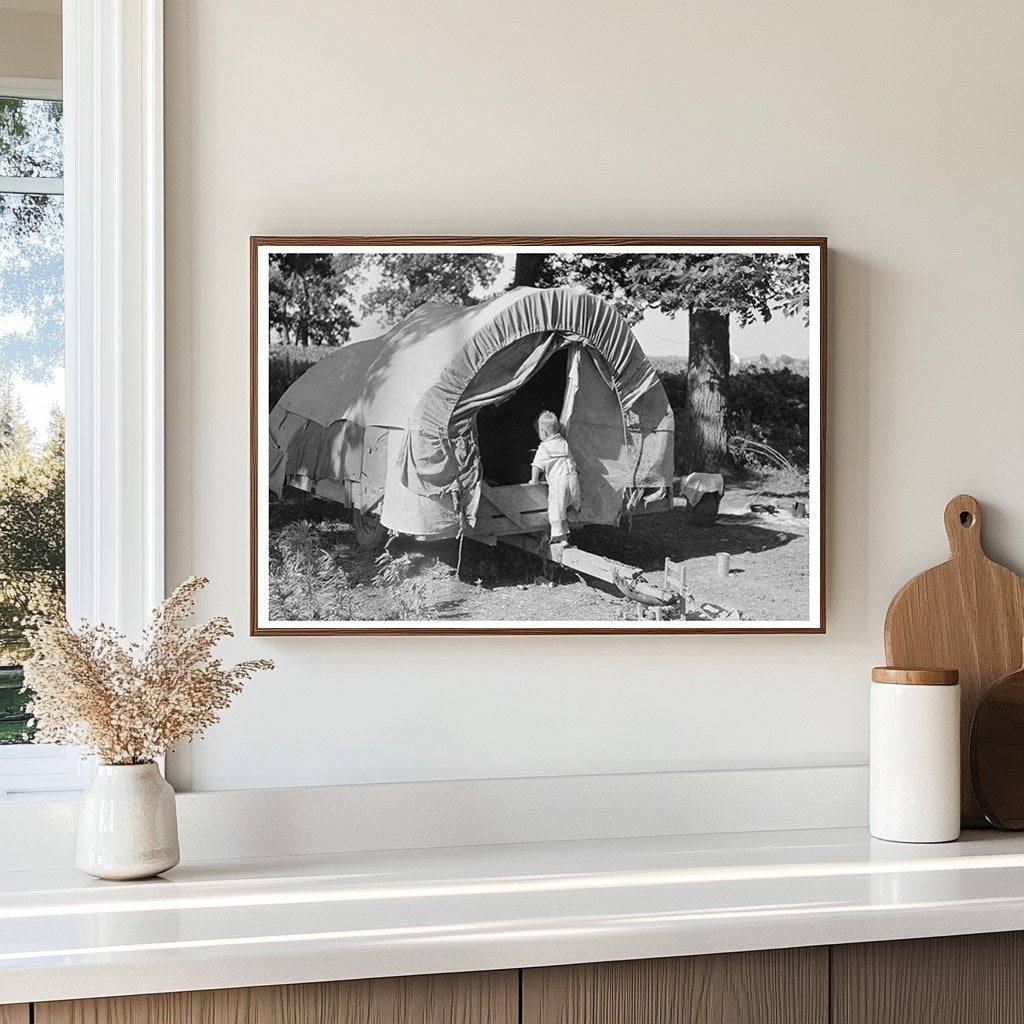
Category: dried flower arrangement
[129,703]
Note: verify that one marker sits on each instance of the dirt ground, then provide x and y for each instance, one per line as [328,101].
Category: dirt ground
[768,574]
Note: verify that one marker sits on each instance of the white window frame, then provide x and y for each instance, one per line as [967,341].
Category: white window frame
[32,88]
[114,326]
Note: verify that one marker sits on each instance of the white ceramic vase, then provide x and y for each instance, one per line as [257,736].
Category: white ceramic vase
[127,825]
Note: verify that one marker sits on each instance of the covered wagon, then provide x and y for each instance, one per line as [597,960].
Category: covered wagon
[428,429]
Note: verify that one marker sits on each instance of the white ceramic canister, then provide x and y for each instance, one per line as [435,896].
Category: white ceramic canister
[127,825]
[915,755]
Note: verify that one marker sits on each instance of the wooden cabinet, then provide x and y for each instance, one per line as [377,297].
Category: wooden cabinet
[778,986]
[963,979]
[491,998]
[971,979]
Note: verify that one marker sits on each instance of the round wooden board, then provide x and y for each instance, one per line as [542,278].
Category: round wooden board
[997,752]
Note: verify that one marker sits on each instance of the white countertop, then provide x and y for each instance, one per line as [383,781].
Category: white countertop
[262,922]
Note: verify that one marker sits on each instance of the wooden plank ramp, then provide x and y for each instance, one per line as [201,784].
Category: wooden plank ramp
[586,562]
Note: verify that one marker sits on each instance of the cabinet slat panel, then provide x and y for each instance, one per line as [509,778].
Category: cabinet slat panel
[779,986]
[479,998]
[14,1013]
[961,979]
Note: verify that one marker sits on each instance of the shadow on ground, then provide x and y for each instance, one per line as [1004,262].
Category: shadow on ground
[655,536]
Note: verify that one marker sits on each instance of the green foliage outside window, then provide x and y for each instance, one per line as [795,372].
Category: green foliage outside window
[31,354]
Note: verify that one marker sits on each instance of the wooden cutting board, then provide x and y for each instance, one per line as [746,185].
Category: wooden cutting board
[967,614]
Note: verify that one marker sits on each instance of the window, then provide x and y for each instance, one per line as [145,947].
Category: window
[92,171]
[32,549]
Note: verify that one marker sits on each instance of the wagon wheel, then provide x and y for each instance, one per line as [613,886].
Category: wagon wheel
[370,532]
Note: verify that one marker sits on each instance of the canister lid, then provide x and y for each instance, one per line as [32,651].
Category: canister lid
[916,676]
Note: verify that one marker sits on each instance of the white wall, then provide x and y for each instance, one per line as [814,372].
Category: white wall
[895,129]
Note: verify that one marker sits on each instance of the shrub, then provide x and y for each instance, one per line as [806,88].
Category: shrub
[287,363]
[405,596]
[768,405]
[307,576]
[771,406]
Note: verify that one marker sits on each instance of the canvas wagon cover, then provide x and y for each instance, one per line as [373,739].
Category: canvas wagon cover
[395,414]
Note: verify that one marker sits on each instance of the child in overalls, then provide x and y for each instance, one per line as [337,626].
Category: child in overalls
[555,462]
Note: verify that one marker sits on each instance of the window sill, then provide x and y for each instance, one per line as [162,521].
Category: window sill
[44,771]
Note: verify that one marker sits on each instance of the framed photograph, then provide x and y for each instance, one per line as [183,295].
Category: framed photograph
[537,435]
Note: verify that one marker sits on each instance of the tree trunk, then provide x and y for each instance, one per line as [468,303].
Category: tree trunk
[701,441]
[528,267]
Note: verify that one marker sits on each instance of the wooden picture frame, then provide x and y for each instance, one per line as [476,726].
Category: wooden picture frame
[262,246]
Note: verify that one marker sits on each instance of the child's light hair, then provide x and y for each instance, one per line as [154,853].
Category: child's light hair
[548,425]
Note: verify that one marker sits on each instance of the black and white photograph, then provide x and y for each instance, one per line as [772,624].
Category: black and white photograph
[537,435]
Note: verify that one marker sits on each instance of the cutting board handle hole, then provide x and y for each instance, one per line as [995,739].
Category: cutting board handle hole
[962,518]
